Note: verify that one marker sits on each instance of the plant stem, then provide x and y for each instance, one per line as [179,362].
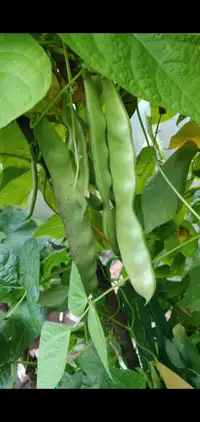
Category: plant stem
[15,307]
[35,182]
[27,363]
[142,126]
[57,97]
[157,258]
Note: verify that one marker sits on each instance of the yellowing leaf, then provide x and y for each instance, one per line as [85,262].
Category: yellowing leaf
[171,379]
[189,132]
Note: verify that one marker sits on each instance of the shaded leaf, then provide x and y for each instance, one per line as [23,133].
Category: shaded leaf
[19,330]
[173,354]
[52,356]
[159,202]
[70,381]
[51,261]
[186,348]
[77,297]
[127,379]
[6,376]
[54,296]
[12,141]
[30,267]
[53,227]
[26,69]
[191,298]
[4,350]
[8,262]
[97,336]
[171,379]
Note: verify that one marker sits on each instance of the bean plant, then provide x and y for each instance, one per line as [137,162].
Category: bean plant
[67,109]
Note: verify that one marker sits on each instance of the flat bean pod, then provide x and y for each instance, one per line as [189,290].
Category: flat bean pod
[134,252]
[100,156]
[77,225]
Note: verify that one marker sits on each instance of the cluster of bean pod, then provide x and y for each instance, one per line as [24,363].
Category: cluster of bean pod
[113,157]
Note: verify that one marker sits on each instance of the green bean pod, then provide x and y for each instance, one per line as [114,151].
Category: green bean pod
[134,252]
[77,225]
[100,156]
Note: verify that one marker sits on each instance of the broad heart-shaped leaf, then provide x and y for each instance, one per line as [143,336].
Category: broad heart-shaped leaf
[53,227]
[97,336]
[54,342]
[145,167]
[156,67]
[19,330]
[159,202]
[191,298]
[171,379]
[77,300]
[30,267]
[25,75]
[54,259]
[189,132]
[7,376]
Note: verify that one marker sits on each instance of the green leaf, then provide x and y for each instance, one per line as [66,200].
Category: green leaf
[25,69]
[17,191]
[46,188]
[77,297]
[12,141]
[8,262]
[53,227]
[191,298]
[74,381]
[54,296]
[19,330]
[52,357]
[29,272]
[141,62]
[30,267]
[127,379]
[17,230]
[186,348]
[159,202]
[145,167]
[91,365]
[4,350]
[51,261]
[196,165]
[10,173]
[97,336]
[173,354]
[6,376]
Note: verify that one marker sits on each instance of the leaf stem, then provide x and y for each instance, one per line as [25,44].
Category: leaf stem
[142,125]
[9,313]
[176,248]
[27,363]
[57,97]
